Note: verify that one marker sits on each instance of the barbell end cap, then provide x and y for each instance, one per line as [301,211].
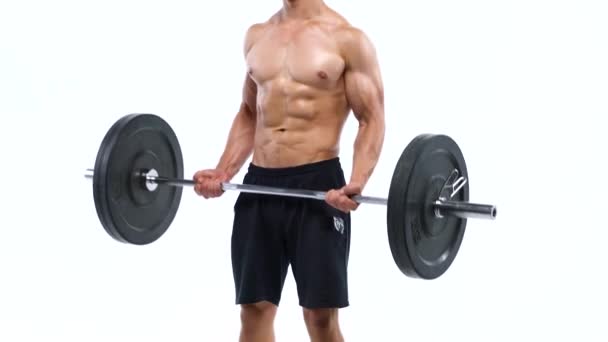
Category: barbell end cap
[464,210]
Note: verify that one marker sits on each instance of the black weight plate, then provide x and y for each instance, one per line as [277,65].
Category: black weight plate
[127,210]
[422,245]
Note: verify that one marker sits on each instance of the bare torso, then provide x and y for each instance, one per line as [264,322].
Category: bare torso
[308,68]
[301,103]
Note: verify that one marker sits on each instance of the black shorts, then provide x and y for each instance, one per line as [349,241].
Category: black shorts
[272,232]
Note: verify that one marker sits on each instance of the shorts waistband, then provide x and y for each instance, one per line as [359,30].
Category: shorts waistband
[320,166]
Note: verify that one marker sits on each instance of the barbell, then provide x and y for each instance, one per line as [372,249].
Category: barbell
[138,181]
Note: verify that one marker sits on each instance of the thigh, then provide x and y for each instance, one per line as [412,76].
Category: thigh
[259,261]
[319,255]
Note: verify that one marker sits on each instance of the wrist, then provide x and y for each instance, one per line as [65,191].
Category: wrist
[228,171]
[359,181]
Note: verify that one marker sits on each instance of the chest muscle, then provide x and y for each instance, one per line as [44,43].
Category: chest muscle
[308,58]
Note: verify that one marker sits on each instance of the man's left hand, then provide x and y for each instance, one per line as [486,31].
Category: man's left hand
[340,198]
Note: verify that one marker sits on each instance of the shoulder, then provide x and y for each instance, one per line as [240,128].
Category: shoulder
[346,36]
[352,39]
[354,44]
[254,32]
[345,32]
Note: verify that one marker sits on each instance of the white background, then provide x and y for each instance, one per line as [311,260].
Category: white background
[521,85]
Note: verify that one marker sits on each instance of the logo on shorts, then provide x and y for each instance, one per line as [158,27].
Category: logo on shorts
[339,224]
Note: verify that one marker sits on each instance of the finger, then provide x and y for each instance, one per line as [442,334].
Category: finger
[205,187]
[207,192]
[217,189]
[200,176]
[220,185]
[210,187]
[344,209]
[352,203]
[344,200]
[205,174]
[337,200]
[348,203]
[334,197]
[330,196]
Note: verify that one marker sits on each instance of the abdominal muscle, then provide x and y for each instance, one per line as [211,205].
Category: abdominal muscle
[298,125]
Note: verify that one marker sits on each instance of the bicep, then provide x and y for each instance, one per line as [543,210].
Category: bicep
[364,92]
[250,93]
[363,80]
[250,90]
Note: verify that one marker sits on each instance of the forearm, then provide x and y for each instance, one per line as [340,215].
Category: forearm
[239,145]
[367,148]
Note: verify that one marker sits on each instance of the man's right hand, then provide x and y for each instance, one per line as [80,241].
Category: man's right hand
[209,182]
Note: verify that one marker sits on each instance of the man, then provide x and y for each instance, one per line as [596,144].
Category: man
[307,69]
